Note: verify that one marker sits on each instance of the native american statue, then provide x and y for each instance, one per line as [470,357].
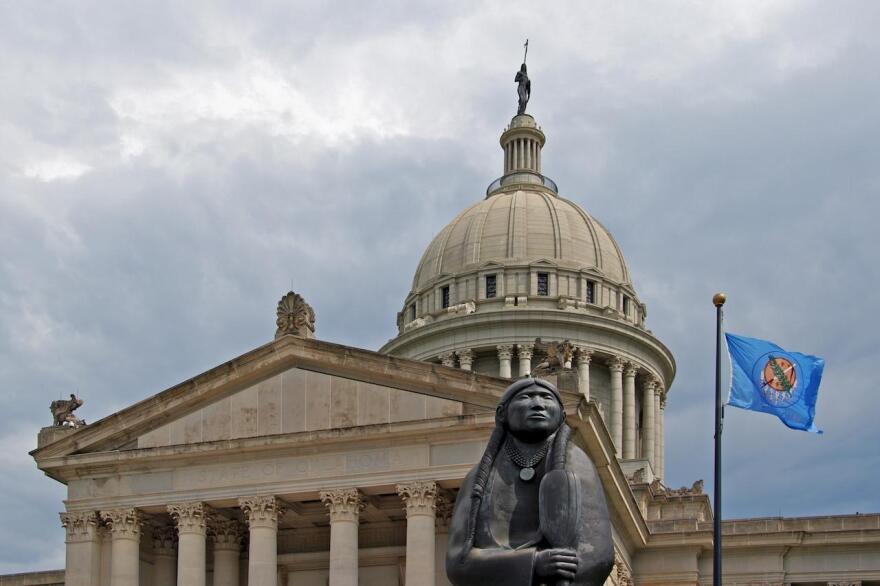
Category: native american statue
[62,412]
[533,510]
[558,356]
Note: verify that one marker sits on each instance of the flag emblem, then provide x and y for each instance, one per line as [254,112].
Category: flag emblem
[778,380]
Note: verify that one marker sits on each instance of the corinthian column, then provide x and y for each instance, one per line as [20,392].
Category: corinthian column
[164,556]
[629,411]
[505,352]
[661,436]
[191,520]
[420,500]
[227,534]
[125,530]
[584,356]
[345,506]
[524,351]
[465,358]
[262,514]
[82,548]
[615,366]
[648,433]
[442,517]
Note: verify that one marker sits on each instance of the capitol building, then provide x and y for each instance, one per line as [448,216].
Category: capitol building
[308,463]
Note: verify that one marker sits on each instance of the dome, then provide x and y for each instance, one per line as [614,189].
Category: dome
[517,227]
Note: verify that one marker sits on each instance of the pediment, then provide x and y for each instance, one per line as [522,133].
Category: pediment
[543,262]
[287,386]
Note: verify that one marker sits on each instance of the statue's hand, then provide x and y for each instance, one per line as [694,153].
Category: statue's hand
[557,563]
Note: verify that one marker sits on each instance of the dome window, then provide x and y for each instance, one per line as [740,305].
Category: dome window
[591,291]
[542,284]
[412,312]
[491,286]
[444,297]
[625,305]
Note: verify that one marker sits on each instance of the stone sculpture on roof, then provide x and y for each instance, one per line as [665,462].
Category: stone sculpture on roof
[294,316]
[62,412]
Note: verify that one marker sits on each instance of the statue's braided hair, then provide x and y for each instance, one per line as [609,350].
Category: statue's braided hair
[555,460]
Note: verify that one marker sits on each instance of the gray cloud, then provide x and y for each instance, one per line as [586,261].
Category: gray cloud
[167,171]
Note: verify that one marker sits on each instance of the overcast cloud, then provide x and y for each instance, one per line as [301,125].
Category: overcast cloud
[168,170]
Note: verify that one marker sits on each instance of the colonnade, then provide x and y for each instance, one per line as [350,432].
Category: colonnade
[628,381]
[196,524]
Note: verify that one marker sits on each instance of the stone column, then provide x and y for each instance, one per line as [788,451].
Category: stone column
[524,351]
[82,548]
[648,433]
[227,534]
[584,357]
[629,411]
[262,514]
[442,517]
[420,500]
[615,366]
[658,416]
[465,358]
[660,449]
[345,506]
[505,352]
[448,359]
[191,520]
[125,530]
[164,556]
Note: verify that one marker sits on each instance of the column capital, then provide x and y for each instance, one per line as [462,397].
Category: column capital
[227,533]
[465,358]
[649,383]
[344,504]
[525,350]
[80,525]
[505,351]
[442,511]
[124,523]
[615,364]
[164,540]
[420,497]
[630,369]
[448,359]
[583,354]
[190,517]
[261,510]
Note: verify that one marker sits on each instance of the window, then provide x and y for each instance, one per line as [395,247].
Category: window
[444,296]
[491,286]
[542,284]
[625,305]
[591,291]
[412,312]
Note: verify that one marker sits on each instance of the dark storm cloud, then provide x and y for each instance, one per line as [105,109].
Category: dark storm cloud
[167,171]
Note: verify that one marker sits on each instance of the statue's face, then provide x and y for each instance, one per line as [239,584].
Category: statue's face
[533,414]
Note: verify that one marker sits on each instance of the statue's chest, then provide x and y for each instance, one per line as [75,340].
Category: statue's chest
[510,513]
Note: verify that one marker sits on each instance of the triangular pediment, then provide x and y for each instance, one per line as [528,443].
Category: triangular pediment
[288,386]
[543,262]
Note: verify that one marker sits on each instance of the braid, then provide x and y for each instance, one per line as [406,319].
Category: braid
[496,440]
[560,446]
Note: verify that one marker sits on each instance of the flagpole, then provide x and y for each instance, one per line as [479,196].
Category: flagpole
[718,300]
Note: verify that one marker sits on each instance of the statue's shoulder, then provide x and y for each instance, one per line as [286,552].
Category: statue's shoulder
[578,461]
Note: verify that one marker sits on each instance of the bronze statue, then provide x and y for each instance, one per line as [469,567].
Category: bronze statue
[533,510]
[523,89]
[62,412]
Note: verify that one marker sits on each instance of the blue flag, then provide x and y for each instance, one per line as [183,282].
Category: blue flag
[767,378]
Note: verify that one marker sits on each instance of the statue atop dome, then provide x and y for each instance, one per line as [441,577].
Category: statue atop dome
[524,84]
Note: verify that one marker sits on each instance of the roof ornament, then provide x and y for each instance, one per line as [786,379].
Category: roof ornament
[62,412]
[294,317]
[524,85]
[557,357]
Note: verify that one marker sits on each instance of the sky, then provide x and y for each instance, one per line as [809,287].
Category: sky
[168,170]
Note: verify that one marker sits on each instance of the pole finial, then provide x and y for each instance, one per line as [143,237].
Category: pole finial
[718,299]
[526,52]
